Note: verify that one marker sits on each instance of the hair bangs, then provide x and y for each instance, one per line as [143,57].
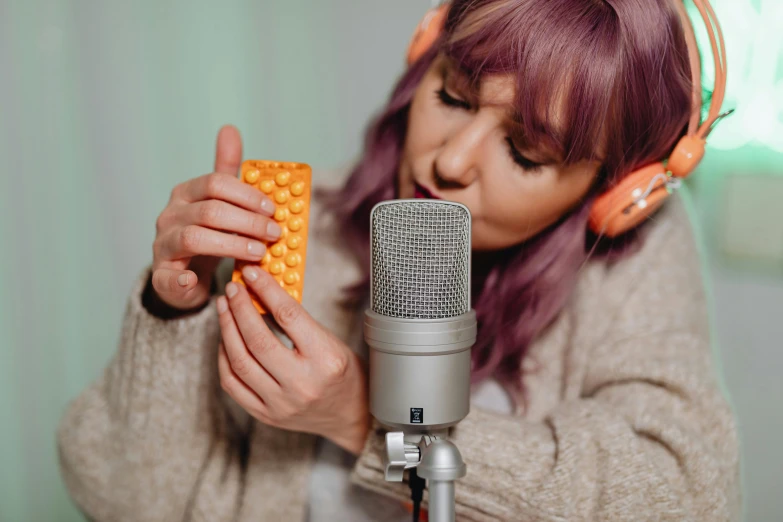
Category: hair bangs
[565,61]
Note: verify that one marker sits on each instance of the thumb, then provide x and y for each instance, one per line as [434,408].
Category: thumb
[228,153]
[178,288]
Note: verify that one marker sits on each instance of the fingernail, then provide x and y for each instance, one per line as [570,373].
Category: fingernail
[273,229]
[182,279]
[222,304]
[256,249]
[231,289]
[250,273]
[267,206]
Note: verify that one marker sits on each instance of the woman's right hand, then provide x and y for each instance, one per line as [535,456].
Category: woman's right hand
[197,227]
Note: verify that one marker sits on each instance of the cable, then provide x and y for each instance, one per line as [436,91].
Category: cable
[416,484]
[670,183]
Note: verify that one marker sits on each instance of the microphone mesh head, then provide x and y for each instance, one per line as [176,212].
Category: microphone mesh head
[420,259]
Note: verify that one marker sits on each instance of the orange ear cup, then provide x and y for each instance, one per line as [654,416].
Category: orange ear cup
[621,208]
[616,211]
[427,32]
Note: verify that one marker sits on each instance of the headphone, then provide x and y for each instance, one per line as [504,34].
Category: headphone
[639,194]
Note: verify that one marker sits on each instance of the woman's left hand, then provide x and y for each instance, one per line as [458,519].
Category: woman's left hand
[320,387]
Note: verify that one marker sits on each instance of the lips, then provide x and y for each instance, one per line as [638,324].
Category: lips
[423,193]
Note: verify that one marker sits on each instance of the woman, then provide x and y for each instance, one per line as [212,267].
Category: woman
[595,395]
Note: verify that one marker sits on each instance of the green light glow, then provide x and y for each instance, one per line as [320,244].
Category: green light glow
[755,87]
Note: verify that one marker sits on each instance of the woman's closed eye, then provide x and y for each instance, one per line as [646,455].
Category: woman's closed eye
[524,162]
[450,101]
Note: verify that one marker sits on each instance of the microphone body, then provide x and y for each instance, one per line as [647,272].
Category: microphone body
[419,370]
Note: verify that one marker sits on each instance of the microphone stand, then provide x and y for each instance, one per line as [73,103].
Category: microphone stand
[420,329]
[435,458]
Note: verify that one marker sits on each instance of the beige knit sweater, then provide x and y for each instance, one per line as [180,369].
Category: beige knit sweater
[624,420]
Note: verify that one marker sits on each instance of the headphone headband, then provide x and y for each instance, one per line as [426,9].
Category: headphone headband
[719,56]
[641,192]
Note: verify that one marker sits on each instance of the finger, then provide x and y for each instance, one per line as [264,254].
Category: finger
[223,216]
[228,151]
[176,286]
[288,313]
[238,390]
[241,361]
[194,240]
[228,189]
[277,360]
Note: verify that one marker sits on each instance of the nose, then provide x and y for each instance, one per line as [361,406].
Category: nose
[457,162]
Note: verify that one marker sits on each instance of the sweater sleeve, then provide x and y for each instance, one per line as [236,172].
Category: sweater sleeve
[154,431]
[648,436]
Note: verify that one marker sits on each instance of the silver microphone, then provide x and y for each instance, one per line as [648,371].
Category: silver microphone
[420,329]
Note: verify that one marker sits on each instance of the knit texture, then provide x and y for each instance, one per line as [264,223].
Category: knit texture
[624,418]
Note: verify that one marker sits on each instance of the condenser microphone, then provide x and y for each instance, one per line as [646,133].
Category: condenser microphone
[420,328]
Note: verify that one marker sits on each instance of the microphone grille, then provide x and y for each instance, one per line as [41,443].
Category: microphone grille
[420,253]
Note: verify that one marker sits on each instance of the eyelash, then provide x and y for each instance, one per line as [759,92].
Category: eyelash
[454,103]
[450,101]
[527,164]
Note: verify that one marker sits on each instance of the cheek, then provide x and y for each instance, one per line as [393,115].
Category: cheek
[423,122]
[514,212]
[421,140]
[502,226]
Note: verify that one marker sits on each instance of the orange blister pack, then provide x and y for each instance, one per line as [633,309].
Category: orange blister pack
[288,185]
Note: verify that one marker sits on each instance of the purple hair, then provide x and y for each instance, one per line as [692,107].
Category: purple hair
[623,94]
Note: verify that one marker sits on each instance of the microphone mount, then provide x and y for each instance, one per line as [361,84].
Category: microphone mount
[436,459]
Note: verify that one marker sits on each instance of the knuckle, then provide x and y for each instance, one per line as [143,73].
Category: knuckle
[288,314]
[335,366]
[284,411]
[307,396]
[210,212]
[190,237]
[216,183]
[260,344]
[240,364]
[272,412]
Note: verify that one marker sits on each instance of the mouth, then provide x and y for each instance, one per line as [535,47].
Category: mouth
[423,192]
